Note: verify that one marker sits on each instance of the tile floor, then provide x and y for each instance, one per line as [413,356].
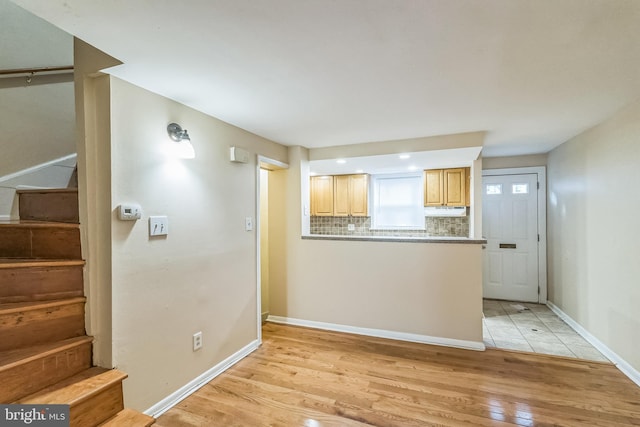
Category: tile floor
[533,327]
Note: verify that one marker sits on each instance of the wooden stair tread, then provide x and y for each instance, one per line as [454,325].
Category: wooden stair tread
[11,358]
[129,417]
[38,262]
[83,375]
[14,307]
[47,190]
[78,388]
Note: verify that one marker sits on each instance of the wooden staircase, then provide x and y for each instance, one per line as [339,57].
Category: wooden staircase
[45,354]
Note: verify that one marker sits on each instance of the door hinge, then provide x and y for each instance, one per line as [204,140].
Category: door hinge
[538,290]
[538,185]
[538,237]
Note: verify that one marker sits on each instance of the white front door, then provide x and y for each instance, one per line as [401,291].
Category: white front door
[510,225]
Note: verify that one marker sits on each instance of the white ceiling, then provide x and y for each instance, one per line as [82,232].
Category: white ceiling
[397,163]
[30,42]
[317,73]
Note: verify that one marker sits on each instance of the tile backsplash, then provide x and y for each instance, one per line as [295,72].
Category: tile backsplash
[434,227]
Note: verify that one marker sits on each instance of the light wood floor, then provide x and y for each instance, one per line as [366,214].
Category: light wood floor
[306,377]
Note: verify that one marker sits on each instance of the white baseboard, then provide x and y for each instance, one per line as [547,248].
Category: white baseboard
[380,333]
[620,363]
[5,217]
[174,398]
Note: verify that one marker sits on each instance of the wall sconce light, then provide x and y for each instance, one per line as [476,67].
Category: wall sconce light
[184,148]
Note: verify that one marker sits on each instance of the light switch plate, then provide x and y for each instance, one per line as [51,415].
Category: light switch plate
[158,225]
[248,223]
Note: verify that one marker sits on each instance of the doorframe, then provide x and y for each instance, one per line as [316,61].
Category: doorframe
[269,164]
[541,172]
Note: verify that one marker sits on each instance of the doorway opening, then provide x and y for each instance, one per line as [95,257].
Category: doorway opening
[514,224]
[269,232]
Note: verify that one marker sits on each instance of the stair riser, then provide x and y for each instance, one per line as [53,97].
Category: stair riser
[42,325]
[56,206]
[98,408]
[40,283]
[34,375]
[40,242]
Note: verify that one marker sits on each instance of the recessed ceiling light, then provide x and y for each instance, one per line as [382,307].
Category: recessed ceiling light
[404,156]
[341,161]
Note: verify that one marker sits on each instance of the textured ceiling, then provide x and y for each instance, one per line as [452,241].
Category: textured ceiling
[532,73]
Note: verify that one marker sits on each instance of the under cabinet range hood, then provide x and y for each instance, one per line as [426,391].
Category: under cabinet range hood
[445,211]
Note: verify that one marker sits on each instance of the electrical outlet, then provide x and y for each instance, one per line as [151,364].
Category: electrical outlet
[351,227]
[197,341]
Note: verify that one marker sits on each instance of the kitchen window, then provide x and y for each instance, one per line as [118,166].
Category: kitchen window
[397,202]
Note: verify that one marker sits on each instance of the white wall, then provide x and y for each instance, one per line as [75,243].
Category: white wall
[514,161]
[414,288]
[593,231]
[202,276]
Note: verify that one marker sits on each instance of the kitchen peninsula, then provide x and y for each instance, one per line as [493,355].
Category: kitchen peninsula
[338,270]
[425,290]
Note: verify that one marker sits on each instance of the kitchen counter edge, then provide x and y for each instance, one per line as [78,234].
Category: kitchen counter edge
[463,240]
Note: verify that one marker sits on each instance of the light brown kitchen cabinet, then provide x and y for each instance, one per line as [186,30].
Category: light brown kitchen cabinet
[341,196]
[433,187]
[455,184]
[348,195]
[322,195]
[445,187]
[359,195]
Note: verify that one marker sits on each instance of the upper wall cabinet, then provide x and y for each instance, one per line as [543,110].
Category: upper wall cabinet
[359,195]
[446,187]
[433,187]
[348,193]
[322,195]
[341,202]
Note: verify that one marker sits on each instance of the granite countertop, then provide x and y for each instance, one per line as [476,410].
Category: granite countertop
[463,240]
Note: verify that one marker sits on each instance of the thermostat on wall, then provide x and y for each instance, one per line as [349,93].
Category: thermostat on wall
[129,212]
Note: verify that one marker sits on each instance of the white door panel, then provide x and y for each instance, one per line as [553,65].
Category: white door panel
[510,225]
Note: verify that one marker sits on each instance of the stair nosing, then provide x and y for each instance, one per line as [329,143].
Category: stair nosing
[38,224]
[125,411]
[50,348]
[47,190]
[40,262]
[17,307]
[113,376]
